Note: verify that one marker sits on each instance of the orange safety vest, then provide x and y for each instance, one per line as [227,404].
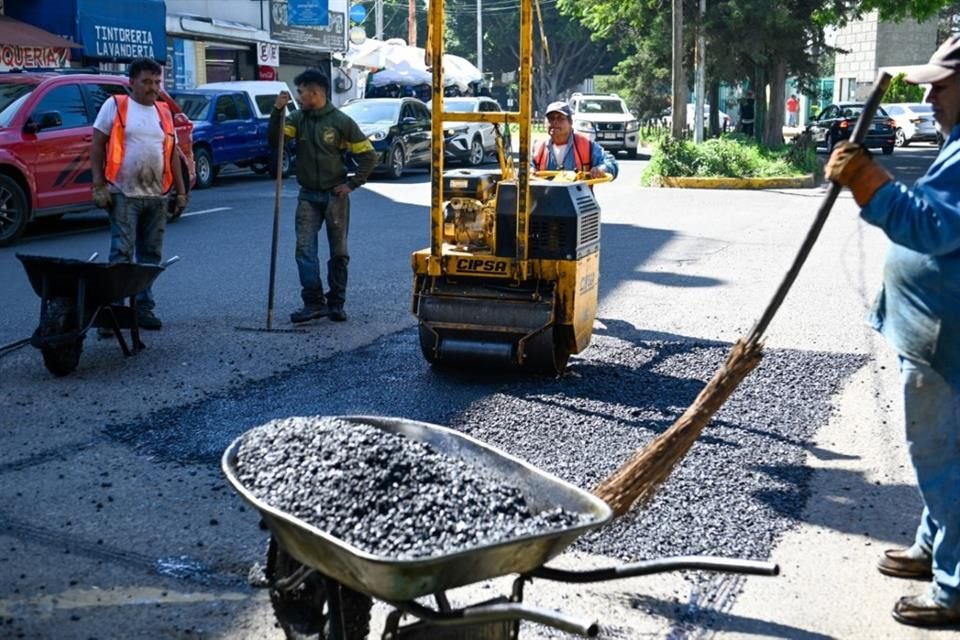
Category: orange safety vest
[581,154]
[115,146]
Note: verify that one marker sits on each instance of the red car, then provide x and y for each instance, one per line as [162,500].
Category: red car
[46,125]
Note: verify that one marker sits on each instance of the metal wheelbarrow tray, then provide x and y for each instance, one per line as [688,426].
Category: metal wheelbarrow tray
[399,580]
[104,282]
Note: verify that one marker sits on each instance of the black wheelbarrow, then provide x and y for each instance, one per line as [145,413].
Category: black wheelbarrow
[76,295]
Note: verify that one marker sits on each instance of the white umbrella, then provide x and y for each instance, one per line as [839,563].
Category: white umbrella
[403,74]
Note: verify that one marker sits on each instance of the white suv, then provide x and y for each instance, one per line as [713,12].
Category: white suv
[606,119]
[471,142]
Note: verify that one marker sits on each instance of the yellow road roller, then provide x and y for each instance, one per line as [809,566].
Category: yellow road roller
[513,268]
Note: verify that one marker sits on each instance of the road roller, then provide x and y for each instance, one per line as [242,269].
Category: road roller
[513,268]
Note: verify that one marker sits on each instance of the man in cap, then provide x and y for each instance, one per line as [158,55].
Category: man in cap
[918,311]
[569,151]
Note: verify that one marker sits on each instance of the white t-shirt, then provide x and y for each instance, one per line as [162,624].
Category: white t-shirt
[560,152]
[141,172]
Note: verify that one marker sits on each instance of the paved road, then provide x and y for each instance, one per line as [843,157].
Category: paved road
[114,515]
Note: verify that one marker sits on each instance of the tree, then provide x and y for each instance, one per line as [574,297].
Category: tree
[901,91]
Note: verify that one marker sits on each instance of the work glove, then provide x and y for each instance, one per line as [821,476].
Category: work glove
[851,166]
[180,203]
[101,195]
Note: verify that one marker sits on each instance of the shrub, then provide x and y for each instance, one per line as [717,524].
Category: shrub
[730,156]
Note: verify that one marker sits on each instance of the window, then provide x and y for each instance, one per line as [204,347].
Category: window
[830,112]
[99,93]
[68,102]
[489,106]
[226,108]
[243,107]
[423,114]
[894,110]
[407,112]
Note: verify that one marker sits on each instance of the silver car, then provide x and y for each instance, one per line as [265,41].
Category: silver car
[915,122]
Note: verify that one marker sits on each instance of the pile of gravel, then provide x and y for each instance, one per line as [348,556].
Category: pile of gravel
[382,492]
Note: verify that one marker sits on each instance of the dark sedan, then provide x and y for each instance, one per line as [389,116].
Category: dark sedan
[399,129]
[837,121]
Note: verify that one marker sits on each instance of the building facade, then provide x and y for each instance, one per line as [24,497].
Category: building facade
[872,45]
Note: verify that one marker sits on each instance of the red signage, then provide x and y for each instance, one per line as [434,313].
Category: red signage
[266,73]
[12,57]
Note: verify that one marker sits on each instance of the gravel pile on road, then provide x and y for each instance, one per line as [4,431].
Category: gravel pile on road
[384,493]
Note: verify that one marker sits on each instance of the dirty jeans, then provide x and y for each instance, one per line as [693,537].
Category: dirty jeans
[137,226]
[932,411]
[313,209]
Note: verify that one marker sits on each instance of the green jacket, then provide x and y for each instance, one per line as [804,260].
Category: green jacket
[322,136]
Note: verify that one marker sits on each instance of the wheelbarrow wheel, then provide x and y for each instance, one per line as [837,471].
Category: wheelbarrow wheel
[303,611]
[60,357]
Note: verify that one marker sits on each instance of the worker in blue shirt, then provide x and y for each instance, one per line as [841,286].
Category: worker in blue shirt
[918,312]
[569,151]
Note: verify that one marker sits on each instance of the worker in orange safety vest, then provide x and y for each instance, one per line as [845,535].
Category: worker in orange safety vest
[134,164]
[566,150]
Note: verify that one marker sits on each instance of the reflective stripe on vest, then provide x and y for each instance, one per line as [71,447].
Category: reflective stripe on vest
[581,154]
[115,145]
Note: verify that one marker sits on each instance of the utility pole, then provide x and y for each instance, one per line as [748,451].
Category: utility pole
[678,104]
[700,77]
[378,19]
[412,23]
[480,35]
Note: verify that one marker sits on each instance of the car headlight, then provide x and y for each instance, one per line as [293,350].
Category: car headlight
[583,125]
[377,136]
[452,131]
[633,125]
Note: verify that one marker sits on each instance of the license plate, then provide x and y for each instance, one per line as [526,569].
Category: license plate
[609,136]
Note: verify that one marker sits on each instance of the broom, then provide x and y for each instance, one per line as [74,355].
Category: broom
[638,479]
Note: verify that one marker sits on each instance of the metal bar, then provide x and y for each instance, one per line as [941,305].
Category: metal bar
[276,220]
[436,18]
[496,117]
[10,347]
[662,565]
[526,111]
[502,613]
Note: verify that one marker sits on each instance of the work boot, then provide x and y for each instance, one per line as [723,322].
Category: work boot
[307,313]
[923,611]
[906,563]
[337,314]
[146,319]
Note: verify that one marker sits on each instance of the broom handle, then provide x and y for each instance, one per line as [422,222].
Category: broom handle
[859,133]
[276,221]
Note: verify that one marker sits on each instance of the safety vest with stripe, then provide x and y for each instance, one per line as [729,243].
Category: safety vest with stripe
[581,154]
[115,146]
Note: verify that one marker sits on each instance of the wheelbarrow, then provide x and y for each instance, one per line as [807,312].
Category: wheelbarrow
[322,587]
[76,295]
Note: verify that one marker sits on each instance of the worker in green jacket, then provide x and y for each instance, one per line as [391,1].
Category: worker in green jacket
[323,134]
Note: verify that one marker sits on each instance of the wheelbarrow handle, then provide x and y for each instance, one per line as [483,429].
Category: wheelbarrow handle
[662,565]
[502,612]
[169,261]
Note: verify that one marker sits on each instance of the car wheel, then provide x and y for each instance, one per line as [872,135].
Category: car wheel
[14,211]
[259,168]
[887,150]
[204,165]
[477,153]
[900,138]
[395,162]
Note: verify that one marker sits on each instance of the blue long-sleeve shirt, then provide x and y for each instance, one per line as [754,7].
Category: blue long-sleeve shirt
[598,158]
[918,309]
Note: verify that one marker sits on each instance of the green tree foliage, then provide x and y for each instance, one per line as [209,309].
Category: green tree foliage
[901,91]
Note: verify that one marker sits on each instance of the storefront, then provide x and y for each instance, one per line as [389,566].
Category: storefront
[303,47]
[23,46]
[207,49]
[110,33]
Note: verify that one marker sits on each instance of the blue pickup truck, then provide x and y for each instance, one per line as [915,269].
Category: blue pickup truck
[227,130]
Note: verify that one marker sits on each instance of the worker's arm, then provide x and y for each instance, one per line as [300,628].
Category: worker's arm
[178,180]
[363,152]
[602,162]
[98,159]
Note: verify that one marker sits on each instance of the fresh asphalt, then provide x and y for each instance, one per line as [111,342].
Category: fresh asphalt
[113,510]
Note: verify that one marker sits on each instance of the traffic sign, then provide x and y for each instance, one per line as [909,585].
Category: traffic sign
[357,13]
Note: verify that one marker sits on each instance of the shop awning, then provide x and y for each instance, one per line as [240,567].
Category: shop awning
[20,34]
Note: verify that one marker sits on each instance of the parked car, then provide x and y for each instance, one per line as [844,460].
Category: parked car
[606,119]
[399,129]
[262,93]
[226,130]
[470,142]
[914,121]
[46,125]
[835,123]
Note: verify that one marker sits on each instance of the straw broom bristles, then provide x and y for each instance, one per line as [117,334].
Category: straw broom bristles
[637,480]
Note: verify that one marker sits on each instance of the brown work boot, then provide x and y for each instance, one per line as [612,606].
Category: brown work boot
[900,563]
[923,611]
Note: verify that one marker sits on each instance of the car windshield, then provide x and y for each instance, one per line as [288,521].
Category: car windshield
[194,106]
[854,111]
[600,106]
[12,95]
[458,106]
[265,103]
[921,108]
[366,112]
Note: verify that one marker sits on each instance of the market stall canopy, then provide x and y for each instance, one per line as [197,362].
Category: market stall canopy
[403,74]
[396,54]
[20,34]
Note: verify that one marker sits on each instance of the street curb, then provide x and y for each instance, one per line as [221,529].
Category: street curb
[801,182]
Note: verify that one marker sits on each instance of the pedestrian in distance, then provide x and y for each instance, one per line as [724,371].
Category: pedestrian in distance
[566,150]
[918,312]
[134,165]
[793,110]
[747,114]
[323,134]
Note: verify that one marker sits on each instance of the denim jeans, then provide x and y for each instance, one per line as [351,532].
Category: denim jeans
[136,231]
[932,411]
[311,215]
